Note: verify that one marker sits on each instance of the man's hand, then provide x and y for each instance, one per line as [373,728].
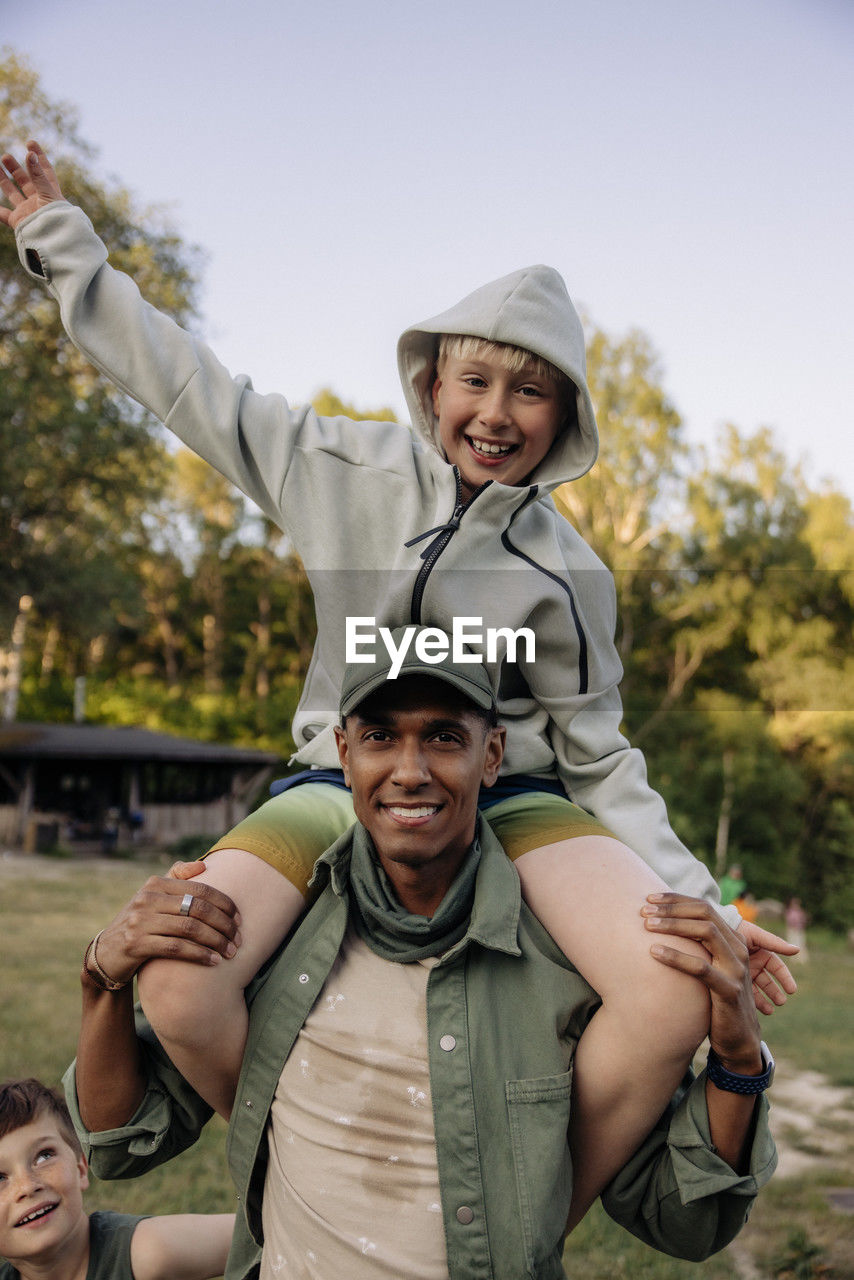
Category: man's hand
[153,925]
[772,978]
[27,188]
[728,972]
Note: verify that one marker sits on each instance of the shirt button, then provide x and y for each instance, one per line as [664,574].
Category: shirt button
[249,1104]
[303,978]
[448,1043]
[465,1215]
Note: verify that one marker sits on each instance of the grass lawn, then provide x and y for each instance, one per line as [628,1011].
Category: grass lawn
[47,917]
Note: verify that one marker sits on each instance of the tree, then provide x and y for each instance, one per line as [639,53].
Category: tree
[624,506]
[81,463]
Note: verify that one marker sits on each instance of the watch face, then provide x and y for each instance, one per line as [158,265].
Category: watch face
[768,1060]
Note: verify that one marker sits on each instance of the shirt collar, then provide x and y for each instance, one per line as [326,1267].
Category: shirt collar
[497,896]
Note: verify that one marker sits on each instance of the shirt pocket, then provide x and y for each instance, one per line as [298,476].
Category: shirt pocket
[538,1115]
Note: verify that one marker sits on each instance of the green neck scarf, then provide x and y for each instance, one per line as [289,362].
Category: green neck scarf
[388,928]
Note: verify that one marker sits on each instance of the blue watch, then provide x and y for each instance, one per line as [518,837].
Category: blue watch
[731,1082]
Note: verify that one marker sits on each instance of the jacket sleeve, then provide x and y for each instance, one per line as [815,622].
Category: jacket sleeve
[601,772]
[253,440]
[676,1194]
[168,1121]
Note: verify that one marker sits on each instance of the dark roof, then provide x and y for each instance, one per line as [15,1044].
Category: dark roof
[99,742]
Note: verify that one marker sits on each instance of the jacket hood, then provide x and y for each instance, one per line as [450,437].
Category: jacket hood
[531,309]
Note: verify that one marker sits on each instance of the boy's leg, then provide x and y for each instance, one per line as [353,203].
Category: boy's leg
[588,891]
[264,864]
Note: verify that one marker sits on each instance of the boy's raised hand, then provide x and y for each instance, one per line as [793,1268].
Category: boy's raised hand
[27,187]
[772,978]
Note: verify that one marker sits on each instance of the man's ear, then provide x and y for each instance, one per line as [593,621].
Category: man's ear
[493,754]
[341,744]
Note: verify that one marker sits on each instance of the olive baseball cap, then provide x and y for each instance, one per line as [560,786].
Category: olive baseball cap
[424,655]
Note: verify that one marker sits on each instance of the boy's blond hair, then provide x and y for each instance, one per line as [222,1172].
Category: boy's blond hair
[516,360]
[23,1101]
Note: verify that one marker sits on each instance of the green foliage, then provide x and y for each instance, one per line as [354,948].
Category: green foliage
[191,848]
[330,405]
[81,464]
[800,1259]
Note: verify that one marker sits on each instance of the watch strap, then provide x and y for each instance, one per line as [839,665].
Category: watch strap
[732,1082]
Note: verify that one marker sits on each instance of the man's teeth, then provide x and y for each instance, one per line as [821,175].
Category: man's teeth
[423,811]
[39,1213]
[481,447]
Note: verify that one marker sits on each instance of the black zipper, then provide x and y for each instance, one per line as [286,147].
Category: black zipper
[443,533]
[583,670]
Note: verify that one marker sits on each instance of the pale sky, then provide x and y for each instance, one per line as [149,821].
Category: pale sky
[352,167]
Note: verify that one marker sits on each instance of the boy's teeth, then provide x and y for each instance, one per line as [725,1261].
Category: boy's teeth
[491,448]
[39,1213]
[423,811]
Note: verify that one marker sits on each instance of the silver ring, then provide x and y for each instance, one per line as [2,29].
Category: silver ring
[186,903]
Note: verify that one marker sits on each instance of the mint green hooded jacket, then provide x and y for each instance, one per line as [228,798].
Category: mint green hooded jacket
[376,514]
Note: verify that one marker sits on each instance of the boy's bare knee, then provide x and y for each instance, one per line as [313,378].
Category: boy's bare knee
[173,1002]
[666,1007]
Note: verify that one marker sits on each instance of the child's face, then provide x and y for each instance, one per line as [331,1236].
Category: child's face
[42,1179]
[495,425]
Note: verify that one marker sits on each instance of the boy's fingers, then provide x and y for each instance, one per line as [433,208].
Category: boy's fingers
[763,1004]
[185,870]
[778,970]
[764,981]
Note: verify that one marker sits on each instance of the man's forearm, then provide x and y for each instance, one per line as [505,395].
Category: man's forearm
[111,1083]
[731,1123]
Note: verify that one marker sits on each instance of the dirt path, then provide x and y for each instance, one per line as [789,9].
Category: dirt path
[812,1121]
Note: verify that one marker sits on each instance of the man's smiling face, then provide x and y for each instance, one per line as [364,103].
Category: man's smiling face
[415,753]
[494,424]
[42,1180]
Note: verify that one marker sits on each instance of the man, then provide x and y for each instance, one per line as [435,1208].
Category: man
[405,1093]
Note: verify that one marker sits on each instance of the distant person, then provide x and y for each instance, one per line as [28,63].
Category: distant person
[732,885]
[45,1233]
[745,905]
[796,928]
[451,521]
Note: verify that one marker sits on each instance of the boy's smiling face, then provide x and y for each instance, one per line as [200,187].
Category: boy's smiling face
[493,424]
[42,1179]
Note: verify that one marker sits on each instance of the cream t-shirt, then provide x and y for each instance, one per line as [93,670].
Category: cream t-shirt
[352,1185]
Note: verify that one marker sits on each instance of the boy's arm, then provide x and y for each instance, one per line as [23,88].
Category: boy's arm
[186,1246]
[253,440]
[111,1076]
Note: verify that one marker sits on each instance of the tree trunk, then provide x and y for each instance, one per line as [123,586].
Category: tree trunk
[12,681]
[724,813]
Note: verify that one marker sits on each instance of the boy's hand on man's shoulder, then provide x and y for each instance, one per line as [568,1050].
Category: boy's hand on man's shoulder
[27,187]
